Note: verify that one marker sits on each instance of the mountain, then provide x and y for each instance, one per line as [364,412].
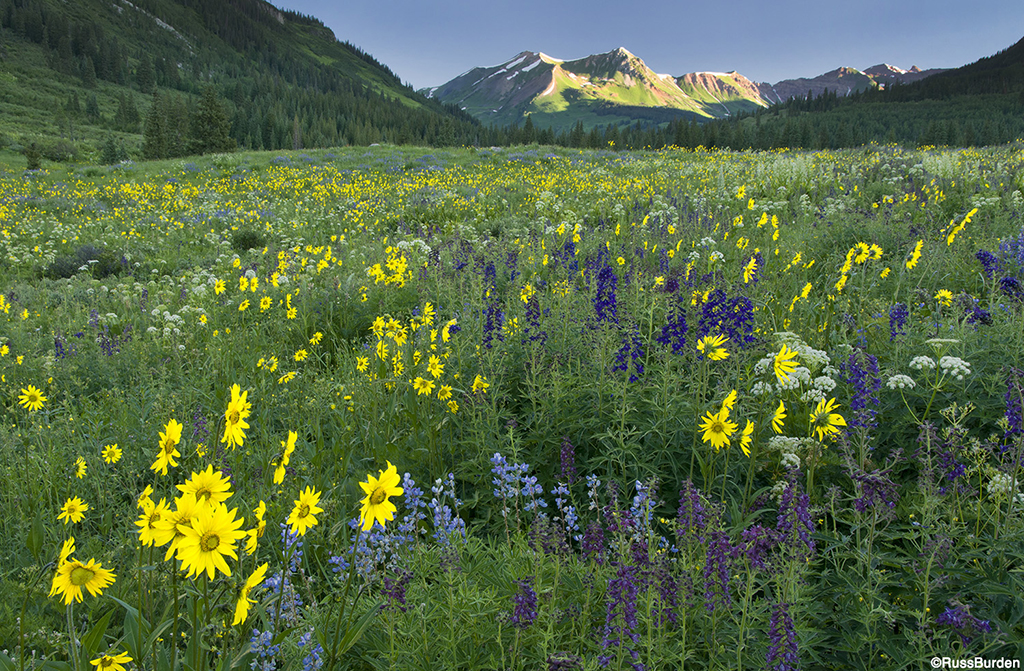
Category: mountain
[845,81]
[981,103]
[77,74]
[617,87]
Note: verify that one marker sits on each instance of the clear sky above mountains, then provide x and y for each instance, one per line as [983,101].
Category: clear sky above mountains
[428,43]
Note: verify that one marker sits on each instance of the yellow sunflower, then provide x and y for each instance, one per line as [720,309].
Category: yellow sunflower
[207,486]
[111,454]
[73,510]
[211,537]
[717,428]
[168,529]
[73,575]
[289,447]
[31,399]
[747,438]
[111,662]
[169,438]
[423,386]
[243,603]
[302,517]
[784,364]
[254,534]
[151,514]
[376,506]
[824,422]
[234,418]
[780,414]
[711,347]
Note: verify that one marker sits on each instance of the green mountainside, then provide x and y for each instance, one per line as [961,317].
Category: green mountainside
[74,75]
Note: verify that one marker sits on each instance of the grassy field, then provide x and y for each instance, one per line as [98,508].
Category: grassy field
[530,408]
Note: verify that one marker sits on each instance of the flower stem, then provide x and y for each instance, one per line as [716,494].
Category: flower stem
[344,600]
[72,641]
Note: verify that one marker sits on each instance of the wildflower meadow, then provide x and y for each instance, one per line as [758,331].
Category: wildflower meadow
[531,408]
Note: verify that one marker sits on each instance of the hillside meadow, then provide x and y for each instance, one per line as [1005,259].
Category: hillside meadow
[530,408]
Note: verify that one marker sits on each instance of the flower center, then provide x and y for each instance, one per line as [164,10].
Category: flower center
[106,661]
[209,542]
[718,427]
[233,417]
[168,446]
[303,511]
[204,493]
[81,575]
[378,496]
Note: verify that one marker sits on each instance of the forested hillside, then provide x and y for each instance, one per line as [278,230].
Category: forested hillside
[77,76]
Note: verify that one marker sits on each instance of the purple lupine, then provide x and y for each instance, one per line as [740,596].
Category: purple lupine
[494,318]
[532,329]
[564,661]
[605,300]
[447,523]
[958,617]
[876,489]
[544,536]
[1014,392]
[692,517]
[394,590]
[630,352]
[409,528]
[60,349]
[794,522]
[860,371]
[1012,251]
[668,591]
[897,320]
[673,333]
[974,313]
[593,543]
[264,653]
[314,660]
[622,594]
[782,651]
[716,571]
[507,478]
[199,428]
[525,599]
[568,458]
[757,545]
[733,318]
[566,511]
[1011,286]
[989,262]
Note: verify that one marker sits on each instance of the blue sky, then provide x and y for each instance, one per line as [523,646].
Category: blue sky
[427,43]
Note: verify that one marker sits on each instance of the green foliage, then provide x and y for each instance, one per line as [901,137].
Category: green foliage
[434,308]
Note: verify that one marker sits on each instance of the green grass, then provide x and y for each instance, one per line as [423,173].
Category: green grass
[507,266]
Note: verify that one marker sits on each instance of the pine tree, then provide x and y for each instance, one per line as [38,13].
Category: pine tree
[209,129]
[145,76]
[154,142]
[88,73]
[92,108]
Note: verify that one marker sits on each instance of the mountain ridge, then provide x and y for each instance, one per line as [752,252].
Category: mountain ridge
[618,87]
